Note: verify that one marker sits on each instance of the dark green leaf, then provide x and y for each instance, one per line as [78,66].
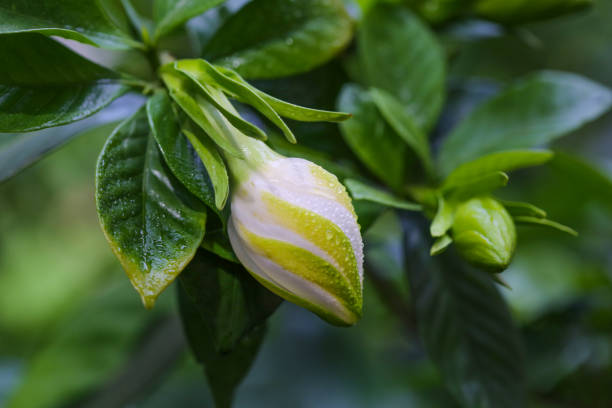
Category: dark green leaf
[371,138]
[519,11]
[273,38]
[153,224]
[500,161]
[224,312]
[534,111]
[467,330]
[218,243]
[361,191]
[169,14]
[186,94]
[587,179]
[399,54]
[204,178]
[44,84]
[90,345]
[80,20]
[17,151]
[528,220]
[404,125]
[229,300]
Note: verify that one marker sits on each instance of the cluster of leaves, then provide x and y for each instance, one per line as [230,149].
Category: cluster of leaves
[162,185]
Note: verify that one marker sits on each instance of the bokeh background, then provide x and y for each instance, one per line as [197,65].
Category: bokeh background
[74,333]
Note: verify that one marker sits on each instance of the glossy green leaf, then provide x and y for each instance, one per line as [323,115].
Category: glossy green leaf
[478,185]
[467,331]
[404,125]
[519,11]
[80,20]
[69,88]
[361,191]
[544,222]
[399,54]
[185,94]
[217,99]
[371,138]
[500,161]
[213,162]
[203,72]
[440,245]
[91,344]
[193,160]
[520,208]
[534,111]
[273,38]
[227,297]
[153,224]
[170,14]
[223,311]
[443,220]
[217,242]
[19,150]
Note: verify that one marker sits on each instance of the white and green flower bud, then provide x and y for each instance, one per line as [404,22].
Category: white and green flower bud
[484,233]
[293,227]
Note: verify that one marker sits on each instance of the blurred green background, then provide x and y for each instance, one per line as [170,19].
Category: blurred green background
[74,333]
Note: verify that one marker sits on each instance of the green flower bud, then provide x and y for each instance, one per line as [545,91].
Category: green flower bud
[484,233]
[293,227]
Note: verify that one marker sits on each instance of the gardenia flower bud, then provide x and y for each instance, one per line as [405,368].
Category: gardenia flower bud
[293,227]
[484,233]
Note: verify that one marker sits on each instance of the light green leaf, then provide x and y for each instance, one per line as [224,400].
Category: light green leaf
[273,38]
[154,225]
[371,138]
[443,220]
[520,208]
[80,20]
[440,245]
[399,54]
[285,109]
[478,186]
[193,160]
[467,331]
[544,222]
[500,161]
[361,191]
[532,112]
[184,93]
[216,98]
[203,72]
[404,125]
[169,14]
[44,84]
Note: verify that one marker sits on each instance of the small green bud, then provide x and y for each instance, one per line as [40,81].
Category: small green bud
[484,233]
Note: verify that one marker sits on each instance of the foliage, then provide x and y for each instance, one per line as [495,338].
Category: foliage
[403,102]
